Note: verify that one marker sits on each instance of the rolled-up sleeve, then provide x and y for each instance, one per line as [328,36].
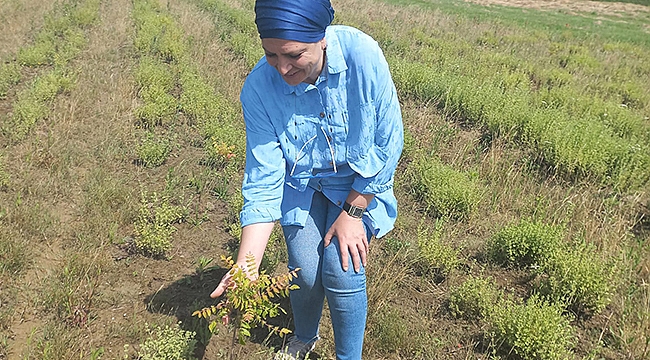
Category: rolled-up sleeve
[264,173]
[389,131]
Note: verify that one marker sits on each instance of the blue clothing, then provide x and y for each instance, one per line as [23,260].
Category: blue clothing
[344,132]
[320,276]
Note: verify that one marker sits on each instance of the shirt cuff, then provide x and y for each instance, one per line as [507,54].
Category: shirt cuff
[260,215]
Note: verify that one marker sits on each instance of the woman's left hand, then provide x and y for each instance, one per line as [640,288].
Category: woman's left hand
[352,240]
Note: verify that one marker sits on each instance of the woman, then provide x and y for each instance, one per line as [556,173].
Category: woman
[323,137]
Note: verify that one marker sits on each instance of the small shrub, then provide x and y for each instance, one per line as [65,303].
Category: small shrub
[524,244]
[580,278]
[446,192]
[474,299]
[153,151]
[154,226]
[535,330]
[248,303]
[437,256]
[168,343]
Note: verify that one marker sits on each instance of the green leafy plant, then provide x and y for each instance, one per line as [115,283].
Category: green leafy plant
[168,343]
[580,278]
[4,175]
[474,299]
[154,226]
[33,103]
[9,75]
[248,303]
[436,255]
[153,151]
[524,244]
[534,330]
[445,191]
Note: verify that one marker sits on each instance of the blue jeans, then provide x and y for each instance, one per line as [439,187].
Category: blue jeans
[321,276]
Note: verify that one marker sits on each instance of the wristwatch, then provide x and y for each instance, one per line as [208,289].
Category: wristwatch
[354,211]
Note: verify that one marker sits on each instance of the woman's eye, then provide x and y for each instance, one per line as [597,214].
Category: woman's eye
[294,56]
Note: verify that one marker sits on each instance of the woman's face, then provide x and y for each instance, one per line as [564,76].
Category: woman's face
[296,61]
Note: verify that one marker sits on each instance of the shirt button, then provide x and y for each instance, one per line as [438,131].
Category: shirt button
[338,203]
[322,114]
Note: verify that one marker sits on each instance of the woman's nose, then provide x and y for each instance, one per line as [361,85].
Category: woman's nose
[284,65]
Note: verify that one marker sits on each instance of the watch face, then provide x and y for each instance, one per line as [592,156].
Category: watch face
[356,211]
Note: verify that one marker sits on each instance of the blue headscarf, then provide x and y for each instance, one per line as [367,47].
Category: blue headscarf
[303,21]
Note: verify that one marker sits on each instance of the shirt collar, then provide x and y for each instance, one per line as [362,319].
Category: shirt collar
[335,63]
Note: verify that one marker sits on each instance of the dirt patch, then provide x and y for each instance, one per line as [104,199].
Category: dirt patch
[597,7]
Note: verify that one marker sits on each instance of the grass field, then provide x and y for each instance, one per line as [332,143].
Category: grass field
[524,227]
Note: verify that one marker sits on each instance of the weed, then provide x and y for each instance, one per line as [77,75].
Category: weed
[73,289]
[168,343]
[154,226]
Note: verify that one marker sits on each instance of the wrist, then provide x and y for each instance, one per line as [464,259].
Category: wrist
[353,210]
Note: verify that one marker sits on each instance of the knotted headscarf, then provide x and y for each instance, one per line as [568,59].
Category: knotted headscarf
[303,21]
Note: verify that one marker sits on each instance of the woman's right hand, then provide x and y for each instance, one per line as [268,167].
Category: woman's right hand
[223,285]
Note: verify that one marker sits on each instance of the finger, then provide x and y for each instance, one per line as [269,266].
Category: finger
[344,256]
[366,250]
[356,259]
[362,254]
[221,288]
[327,239]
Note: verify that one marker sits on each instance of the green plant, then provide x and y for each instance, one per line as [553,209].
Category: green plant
[33,103]
[9,75]
[525,244]
[580,277]
[203,266]
[154,226]
[248,303]
[474,299]
[168,343]
[445,191]
[534,330]
[4,175]
[436,255]
[153,151]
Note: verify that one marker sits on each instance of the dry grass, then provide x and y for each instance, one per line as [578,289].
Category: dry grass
[18,20]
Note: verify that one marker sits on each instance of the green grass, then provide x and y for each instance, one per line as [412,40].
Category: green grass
[554,22]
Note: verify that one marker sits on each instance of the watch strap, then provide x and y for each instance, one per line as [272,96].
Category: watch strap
[352,210]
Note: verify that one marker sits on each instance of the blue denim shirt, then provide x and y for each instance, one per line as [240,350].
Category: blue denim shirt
[343,132]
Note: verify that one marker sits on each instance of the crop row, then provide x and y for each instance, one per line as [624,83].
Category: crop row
[580,128]
[60,40]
